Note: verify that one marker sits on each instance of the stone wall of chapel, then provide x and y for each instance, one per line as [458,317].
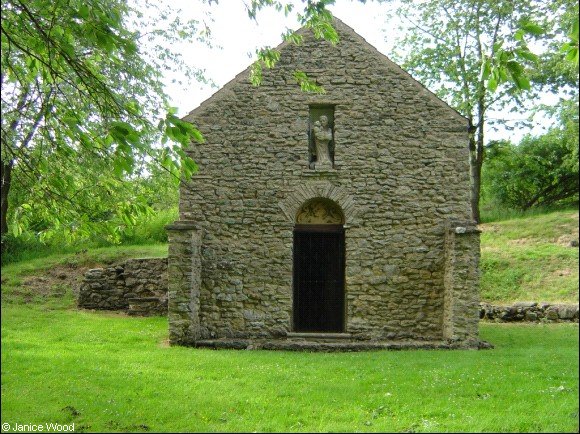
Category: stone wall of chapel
[401,166]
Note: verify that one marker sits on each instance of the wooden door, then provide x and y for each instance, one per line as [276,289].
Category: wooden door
[319,278]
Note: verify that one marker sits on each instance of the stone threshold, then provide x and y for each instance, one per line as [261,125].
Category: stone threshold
[318,335]
[346,345]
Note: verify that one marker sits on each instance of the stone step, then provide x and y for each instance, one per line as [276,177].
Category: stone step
[347,345]
[317,337]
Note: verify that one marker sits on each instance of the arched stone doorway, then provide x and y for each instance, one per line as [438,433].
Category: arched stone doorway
[319,261]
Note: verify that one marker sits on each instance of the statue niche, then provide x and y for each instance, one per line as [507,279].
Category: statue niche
[321,144]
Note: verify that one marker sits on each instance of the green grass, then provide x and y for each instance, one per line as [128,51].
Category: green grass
[115,373]
[493,212]
[529,259]
[151,228]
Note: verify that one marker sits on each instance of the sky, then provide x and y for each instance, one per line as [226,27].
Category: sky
[238,38]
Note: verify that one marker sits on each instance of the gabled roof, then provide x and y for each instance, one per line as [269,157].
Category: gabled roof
[340,27]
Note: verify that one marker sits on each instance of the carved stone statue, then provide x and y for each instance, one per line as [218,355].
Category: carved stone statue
[322,137]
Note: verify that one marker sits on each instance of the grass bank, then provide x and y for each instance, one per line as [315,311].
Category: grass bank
[54,278]
[109,372]
[530,259]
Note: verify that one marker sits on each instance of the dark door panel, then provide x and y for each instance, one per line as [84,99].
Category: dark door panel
[319,279]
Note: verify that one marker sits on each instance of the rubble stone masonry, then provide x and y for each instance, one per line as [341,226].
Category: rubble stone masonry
[400,175]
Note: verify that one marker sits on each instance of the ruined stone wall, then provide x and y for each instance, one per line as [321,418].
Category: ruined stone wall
[401,172]
[138,286]
[529,311]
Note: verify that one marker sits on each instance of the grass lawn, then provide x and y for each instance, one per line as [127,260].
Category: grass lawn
[109,372]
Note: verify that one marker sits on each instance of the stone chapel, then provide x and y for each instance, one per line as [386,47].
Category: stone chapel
[339,220]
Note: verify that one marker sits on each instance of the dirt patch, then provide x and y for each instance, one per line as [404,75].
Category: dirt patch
[164,344]
[564,272]
[54,282]
[488,228]
[568,240]
[520,241]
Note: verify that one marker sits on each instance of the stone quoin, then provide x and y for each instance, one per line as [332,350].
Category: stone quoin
[326,220]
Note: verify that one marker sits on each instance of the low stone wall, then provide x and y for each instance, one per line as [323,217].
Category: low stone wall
[137,286]
[529,311]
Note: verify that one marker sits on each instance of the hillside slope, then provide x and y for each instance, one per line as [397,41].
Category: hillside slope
[531,259]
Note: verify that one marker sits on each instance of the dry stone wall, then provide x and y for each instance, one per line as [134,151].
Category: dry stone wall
[400,175]
[138,286]
[529,311]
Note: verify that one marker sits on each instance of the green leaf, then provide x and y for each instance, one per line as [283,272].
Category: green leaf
[515,67]
[307,84]
[526,54]
[519,35]
[521,81]
[485,70]
[574,31]
[256,73]
[492,84]
[532,29]
[572,55]
[31,62]
[84,11]
[292,37]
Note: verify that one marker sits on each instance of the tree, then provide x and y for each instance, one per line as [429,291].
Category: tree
[539,171]
[451,46]
[557,70]
[82,111]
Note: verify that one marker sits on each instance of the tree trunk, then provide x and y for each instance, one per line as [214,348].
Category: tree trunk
[6,182]
[476,154]
[475,162]
[8,165]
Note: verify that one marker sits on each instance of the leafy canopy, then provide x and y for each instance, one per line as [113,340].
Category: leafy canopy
[539,171]
[83,110]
